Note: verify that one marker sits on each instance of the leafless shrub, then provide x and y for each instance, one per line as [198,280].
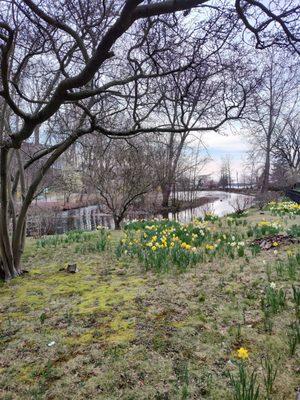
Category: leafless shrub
[241,203]
[41,222]
[262,199]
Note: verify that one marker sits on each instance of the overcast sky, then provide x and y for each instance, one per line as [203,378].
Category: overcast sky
[218,146]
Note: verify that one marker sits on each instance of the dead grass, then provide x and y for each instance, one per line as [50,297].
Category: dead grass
[122,333]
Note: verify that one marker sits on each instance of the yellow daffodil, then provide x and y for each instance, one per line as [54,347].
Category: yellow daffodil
[242,353]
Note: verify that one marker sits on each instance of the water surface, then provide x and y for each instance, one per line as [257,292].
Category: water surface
[88,218]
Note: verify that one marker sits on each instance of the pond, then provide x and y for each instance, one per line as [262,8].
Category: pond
[225,204]
[88,218]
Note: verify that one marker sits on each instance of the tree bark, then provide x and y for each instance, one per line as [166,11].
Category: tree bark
[12,246]
[266,174]
[117,222]
[8,268]
[166,192]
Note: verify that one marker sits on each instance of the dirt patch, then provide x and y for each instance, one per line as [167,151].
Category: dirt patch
[271,242]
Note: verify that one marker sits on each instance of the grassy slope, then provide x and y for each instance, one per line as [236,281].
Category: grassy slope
[123,333]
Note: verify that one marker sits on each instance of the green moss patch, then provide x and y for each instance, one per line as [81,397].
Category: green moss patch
[114,331]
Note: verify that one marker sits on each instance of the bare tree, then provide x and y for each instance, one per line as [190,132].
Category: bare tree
[68,181]
[286,150]
[121,172]
[272,105]
[209,94]
[67,66]
[241,203]
[176,159]
[226,172]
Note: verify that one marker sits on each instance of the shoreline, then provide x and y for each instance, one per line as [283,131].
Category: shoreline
[154,208]
[183,205]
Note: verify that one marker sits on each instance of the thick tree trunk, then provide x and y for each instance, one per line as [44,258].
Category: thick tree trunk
[7,266]
[117,222]
[165,198]
[12,246]
[266,174]
[166,193]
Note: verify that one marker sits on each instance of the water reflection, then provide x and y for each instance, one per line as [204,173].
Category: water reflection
[88,218]
[225,204]
[85,218]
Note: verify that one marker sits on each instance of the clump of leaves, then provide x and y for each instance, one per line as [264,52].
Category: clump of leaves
[294,230]
[296,299]
[270,370]
[244,385]
[293,336]
[275,299]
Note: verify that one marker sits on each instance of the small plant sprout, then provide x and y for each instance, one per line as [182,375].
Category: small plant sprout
[268,323]
[268,269]
[292,267]
[296,299]
[293,336]
[275,299]
[43,318]
[279,267]
[269,375]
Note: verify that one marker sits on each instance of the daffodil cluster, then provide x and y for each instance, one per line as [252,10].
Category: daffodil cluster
[284,207]
[236,219]
[210,216]
[159,244]
[264,227]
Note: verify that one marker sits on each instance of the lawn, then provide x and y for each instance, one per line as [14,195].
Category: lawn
[135,324]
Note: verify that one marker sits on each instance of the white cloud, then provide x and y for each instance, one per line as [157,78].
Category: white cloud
[229,143]
[213,168]
[219,146]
